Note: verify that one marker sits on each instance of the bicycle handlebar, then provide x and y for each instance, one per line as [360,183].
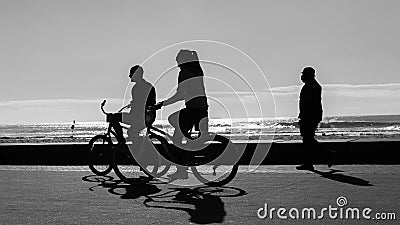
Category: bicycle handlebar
[104,103]
[125,107]
[102,107]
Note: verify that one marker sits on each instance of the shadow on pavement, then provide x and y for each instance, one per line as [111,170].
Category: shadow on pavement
[337,176]
[117,187]
[101,181]
[134,191]
[203,204]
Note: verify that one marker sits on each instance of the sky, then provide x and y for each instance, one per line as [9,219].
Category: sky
[59,59]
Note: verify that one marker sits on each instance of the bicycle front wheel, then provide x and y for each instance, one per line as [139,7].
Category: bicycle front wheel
[100,152]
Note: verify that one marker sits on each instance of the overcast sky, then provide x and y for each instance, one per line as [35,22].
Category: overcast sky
[59,59]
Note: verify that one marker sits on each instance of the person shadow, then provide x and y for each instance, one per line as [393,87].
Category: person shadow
[337,175]
[203,207]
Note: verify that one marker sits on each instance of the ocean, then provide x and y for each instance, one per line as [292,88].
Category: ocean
[249,128]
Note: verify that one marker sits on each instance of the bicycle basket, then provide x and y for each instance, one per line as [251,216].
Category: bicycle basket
[114,117]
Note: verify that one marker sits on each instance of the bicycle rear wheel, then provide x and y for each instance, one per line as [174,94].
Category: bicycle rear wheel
[223,169]
[100,152]
[126,168]
[223,174]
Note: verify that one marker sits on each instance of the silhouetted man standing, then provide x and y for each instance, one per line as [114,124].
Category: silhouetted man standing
[310,114]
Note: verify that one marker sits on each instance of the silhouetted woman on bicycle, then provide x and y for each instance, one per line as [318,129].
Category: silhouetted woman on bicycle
[191,89]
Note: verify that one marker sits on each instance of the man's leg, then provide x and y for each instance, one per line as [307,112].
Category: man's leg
[307,132]
[308,148]
[118,130]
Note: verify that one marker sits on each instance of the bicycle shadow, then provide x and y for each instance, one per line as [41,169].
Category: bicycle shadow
[101,181]
[126,191]
[203,204]
[134,191]
[336,175]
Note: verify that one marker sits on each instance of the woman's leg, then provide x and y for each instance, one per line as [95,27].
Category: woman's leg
[203,124]
[182,121]
[178,120]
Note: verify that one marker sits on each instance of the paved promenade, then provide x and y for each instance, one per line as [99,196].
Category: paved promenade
[73,195]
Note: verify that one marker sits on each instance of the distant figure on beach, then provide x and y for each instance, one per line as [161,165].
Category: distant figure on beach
[143,94]
[310,115]
[73,128]
[190,89]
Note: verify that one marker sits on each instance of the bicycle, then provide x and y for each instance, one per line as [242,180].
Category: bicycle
[101,146]
[197,154]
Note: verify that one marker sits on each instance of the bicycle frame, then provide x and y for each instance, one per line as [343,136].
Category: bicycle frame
[188,157]
[189,154]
